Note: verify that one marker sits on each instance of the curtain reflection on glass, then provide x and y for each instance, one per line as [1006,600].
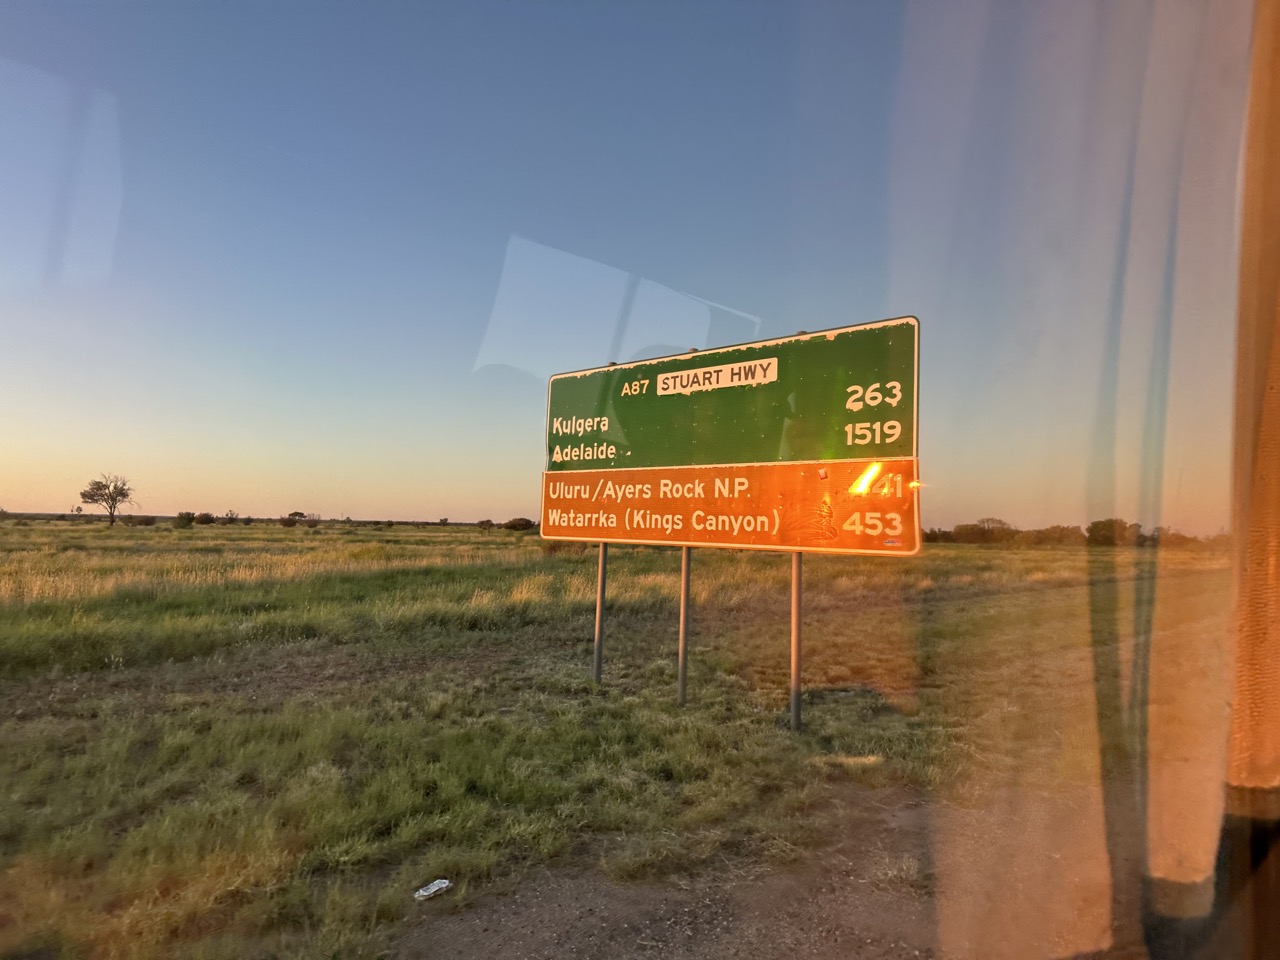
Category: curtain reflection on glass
[60,180]
[1116,174]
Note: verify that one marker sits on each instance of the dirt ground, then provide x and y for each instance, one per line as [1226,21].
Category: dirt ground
[865,894]
[869,892]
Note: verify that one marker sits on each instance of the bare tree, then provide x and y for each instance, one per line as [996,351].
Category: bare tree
[108,492]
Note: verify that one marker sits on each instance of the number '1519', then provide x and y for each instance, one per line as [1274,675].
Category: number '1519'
[863,433]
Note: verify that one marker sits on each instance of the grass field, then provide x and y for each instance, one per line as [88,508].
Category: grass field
[237,741]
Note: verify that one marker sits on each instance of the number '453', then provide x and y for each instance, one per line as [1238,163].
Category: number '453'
[873,523]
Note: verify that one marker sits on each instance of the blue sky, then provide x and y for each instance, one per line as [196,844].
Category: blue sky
[276,256]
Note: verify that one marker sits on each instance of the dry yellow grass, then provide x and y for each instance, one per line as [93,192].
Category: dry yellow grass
[222,715]
[65,564]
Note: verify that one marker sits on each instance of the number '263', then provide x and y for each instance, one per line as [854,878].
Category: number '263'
[873,396]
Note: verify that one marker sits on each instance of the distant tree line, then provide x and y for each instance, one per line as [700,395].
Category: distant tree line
[111,492]
[1111,532]
[187,518]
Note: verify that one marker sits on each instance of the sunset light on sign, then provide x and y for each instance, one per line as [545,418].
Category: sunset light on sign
[804,443]
[863,483]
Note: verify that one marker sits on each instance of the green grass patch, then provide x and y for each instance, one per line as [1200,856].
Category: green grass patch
[258,741]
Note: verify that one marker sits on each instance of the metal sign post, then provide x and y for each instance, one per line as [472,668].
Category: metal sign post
[597,669]
[683,655]
[796,561]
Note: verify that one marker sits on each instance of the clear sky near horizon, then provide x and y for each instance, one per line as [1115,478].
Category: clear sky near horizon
[279,256]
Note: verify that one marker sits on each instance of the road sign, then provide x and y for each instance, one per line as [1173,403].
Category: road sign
[802,443]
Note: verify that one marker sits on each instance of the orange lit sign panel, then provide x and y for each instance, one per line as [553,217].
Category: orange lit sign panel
[838,506]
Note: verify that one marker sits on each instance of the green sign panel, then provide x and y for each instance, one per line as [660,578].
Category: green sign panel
[843,394]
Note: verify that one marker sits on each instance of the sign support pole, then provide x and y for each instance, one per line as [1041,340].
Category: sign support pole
[684,623]
[796,559]
[597,668]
